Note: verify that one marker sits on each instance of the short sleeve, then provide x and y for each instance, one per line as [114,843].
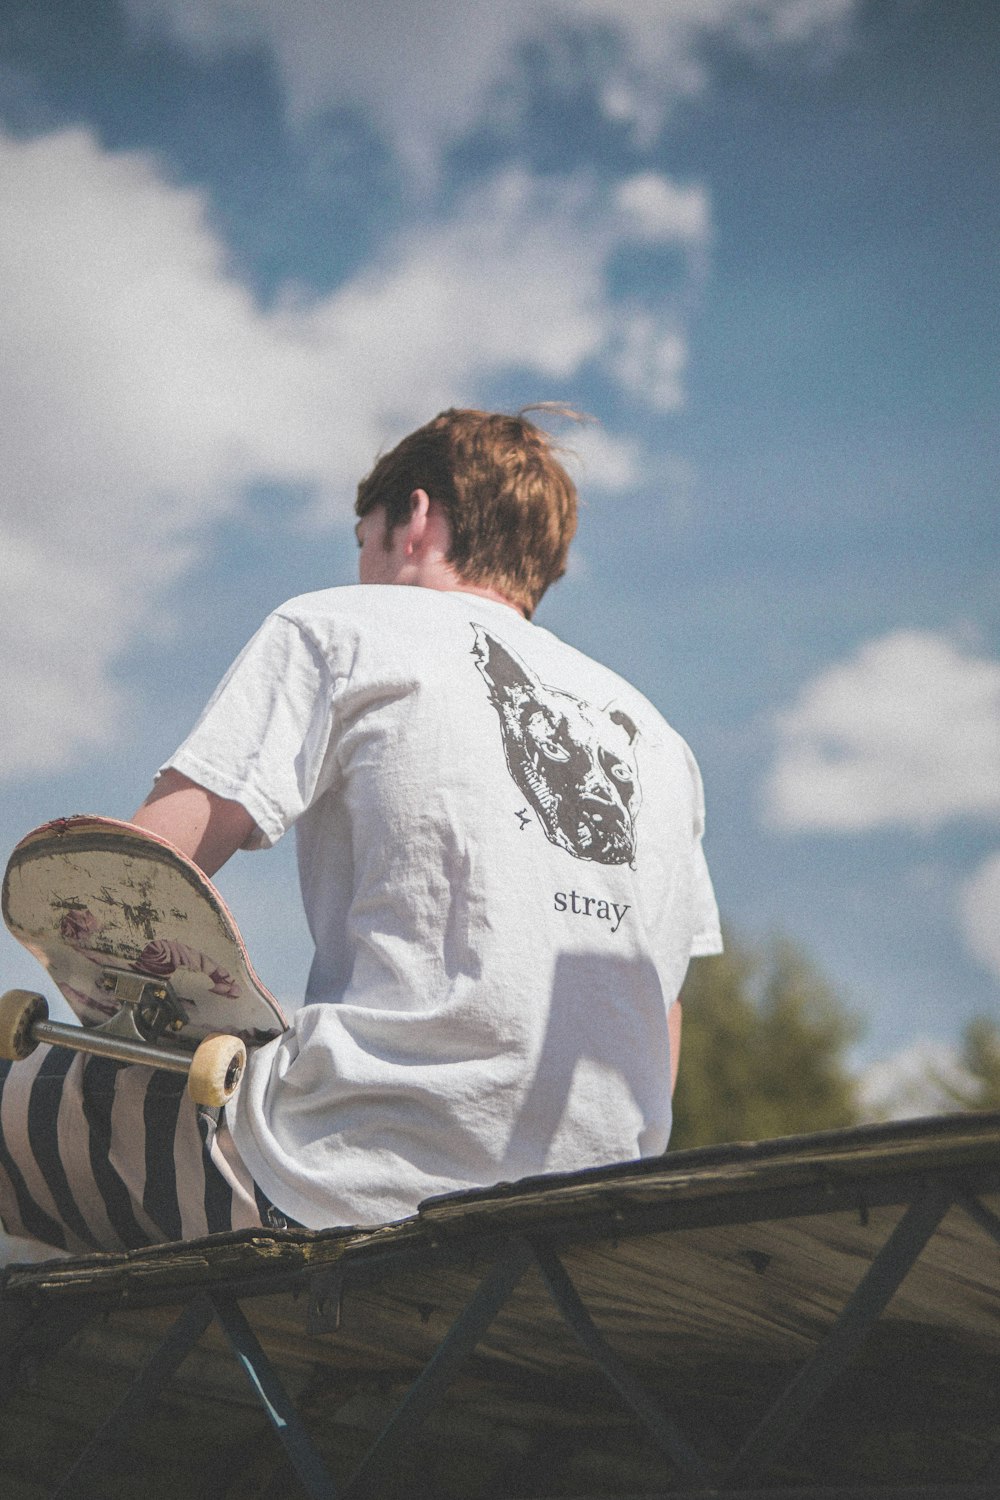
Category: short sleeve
[263,739]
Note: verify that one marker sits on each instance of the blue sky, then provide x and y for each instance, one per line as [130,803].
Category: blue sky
[245,245]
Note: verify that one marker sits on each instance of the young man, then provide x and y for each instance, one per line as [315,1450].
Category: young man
[500,856]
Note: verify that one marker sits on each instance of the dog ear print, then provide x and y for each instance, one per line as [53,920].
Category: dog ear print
[504,672]
[617,716]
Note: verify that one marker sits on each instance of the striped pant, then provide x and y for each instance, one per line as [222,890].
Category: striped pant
[100,1155]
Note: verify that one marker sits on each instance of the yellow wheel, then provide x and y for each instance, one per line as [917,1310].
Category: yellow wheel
[19,1010]
[216,1069]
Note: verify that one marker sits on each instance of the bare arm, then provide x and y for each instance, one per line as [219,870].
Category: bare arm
[674,1019]
[207,828]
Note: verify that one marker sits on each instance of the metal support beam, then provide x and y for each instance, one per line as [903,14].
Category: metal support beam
[271,1394]
[867,1302]
[378,1473]
[990,1223]
[983,1216]
[144,1389]
[667,1436]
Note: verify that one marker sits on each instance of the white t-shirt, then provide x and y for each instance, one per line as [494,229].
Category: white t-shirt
[500,856]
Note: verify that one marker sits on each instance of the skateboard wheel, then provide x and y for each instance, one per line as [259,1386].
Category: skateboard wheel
[19,1010]
[216,1069]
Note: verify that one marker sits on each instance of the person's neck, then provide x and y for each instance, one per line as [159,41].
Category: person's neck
[445,580]
[460,587]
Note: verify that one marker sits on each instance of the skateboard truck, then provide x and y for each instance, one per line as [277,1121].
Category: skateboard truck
[147,1010]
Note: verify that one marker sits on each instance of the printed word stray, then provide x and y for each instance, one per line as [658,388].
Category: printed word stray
[591,906]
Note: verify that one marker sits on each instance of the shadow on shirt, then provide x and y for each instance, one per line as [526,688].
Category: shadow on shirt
[601,1090]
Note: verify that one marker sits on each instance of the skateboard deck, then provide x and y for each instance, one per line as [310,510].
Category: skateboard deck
[127,926]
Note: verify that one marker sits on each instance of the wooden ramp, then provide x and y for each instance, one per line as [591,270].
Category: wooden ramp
[817,1316]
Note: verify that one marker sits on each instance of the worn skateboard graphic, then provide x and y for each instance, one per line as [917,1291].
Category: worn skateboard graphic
[143,948]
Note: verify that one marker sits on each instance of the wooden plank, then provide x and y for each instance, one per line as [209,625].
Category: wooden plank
[734,1184]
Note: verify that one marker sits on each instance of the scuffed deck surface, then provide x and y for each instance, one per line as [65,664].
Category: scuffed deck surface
[713,1275]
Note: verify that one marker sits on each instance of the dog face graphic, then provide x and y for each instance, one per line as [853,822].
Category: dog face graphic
[574,763]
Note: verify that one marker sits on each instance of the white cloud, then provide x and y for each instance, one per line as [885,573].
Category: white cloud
[144,388]
[129,371]
[425,70]
[513,279]
[601,460]
[979,914]
[651,359]
[906,732]
[658,209]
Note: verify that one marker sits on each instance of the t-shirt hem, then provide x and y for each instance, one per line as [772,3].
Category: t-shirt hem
[284,1199]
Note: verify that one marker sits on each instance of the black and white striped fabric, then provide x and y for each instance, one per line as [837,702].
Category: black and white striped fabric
[99,1155]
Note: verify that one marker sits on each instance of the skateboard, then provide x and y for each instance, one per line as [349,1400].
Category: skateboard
[143,948]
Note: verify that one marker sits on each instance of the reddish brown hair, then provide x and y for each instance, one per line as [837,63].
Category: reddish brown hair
[510,504]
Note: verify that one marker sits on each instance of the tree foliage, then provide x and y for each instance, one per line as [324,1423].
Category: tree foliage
[763,1050]
[981,1056]
[980,1062]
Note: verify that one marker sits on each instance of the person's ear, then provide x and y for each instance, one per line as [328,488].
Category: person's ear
[416,526]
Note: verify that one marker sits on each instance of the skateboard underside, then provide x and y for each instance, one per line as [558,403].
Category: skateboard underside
[140,945]
[120,919]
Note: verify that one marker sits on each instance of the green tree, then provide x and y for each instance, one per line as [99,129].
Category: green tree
[981,1056]
[980,1062]
[763,1050]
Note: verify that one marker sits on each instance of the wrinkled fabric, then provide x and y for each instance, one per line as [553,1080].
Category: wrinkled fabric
[499,848]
